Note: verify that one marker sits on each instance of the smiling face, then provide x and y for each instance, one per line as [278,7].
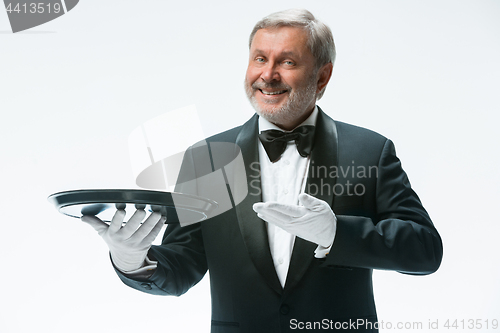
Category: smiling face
[282,80]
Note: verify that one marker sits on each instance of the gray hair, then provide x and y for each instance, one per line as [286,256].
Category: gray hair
[320,40]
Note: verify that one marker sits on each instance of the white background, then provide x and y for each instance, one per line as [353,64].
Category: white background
[423,73]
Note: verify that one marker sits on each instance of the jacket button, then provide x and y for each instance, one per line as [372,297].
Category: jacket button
[146,286]
[284,309]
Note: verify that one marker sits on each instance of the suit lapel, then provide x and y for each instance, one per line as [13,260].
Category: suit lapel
[253,229]
[324,154]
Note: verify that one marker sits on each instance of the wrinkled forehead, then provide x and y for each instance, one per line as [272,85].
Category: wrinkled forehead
[286,40]
[299,30]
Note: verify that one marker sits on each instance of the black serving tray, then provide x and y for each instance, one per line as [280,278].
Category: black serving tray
[104,203]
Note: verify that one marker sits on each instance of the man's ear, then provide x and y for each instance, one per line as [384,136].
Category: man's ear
[324,75]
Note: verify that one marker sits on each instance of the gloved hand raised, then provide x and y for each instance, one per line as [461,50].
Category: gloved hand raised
[314,221]
[128,244]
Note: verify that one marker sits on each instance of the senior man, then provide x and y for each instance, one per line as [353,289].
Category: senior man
[331,204]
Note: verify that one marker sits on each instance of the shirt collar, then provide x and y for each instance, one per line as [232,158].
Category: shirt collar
[264,124]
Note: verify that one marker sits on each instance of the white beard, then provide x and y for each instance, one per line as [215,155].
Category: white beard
[295,106]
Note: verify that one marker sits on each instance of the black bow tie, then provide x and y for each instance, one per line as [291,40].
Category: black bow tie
[275,141]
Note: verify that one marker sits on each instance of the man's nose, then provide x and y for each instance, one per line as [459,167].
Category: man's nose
[270,73]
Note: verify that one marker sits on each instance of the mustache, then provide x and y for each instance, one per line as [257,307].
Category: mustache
[272,85]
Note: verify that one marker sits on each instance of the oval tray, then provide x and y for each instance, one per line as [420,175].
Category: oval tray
[104,203]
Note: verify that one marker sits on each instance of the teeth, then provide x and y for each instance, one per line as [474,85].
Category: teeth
[273,92]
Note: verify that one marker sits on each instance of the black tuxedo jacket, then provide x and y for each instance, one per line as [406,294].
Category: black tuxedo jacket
[381,225]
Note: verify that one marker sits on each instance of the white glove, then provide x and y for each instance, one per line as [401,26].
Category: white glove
[314,221]
[129,244]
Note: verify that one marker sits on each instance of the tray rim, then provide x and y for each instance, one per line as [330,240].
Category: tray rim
[62,199]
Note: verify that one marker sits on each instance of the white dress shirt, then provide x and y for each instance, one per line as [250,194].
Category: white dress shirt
[283,181]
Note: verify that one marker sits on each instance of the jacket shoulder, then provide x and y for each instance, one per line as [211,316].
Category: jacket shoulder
[357,131]
[361,139]
[350,133]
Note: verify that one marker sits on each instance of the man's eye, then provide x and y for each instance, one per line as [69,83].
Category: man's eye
[289,63]
[259,59]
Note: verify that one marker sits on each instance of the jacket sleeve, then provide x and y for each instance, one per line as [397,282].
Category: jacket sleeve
[401,237]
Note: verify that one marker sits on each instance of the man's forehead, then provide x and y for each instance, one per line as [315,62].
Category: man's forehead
[282,31]
[289,40]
